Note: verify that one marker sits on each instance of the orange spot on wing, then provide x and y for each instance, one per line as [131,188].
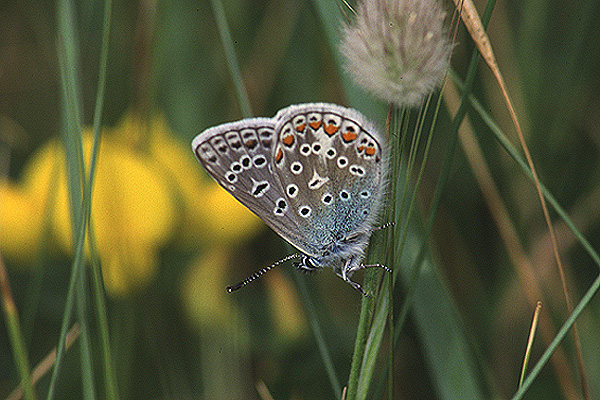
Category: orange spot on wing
[370,151]
[349,137]
[331,129]
[315,125]
[288,140]
[279,155]
[300,128]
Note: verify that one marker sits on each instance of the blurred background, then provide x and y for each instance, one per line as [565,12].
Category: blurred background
[169,240]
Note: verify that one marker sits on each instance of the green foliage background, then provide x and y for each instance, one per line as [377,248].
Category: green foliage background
[169,56]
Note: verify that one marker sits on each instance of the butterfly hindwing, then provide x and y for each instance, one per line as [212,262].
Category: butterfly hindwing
[331,168]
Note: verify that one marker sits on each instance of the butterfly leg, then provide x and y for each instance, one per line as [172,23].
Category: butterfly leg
[364,266]
[354,285]
[347,270]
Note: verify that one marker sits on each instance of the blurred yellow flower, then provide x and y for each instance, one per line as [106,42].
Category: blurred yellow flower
[207,303]
[288,315]
[209,213]
[21,219]
[149,192]
[133,212]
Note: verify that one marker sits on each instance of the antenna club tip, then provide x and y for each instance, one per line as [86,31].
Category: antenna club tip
[233,288]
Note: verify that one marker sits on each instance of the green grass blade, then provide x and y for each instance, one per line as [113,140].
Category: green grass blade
[316,329]
[232,61]
[564,331]
[110,380]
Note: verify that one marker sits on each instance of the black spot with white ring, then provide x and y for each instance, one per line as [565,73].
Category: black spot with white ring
[344,195]
[327,199]
[236,167]
[342,162]
[365,194]
[259,161]
[291,190]
[246,161]
[296,168]
[331,153]
[305,149]
[231,177]
[305,211]
[316,148]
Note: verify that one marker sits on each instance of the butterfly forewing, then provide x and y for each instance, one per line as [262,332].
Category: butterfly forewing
[238,156]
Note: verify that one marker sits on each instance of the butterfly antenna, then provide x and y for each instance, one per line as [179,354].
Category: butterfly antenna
[384,226]
[259,273]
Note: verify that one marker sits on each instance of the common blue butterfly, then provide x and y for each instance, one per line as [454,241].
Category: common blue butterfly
[315,173]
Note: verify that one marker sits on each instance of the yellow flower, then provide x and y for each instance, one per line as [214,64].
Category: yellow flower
[21,221]
[133,213]
[148,192]
[209,213]
[207,303]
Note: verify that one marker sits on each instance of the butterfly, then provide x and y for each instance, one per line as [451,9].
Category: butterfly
[315,173]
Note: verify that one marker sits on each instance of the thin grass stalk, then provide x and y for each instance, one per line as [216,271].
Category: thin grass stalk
[15,334]
[407,184]
[515,155]
[366,314]
[319,338]
[110,381]
[534,323]
[67,56]
[564,330]
[373,344]
[232,61]
[85,352]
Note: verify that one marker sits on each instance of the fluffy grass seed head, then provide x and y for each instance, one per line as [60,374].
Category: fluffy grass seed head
[398,50]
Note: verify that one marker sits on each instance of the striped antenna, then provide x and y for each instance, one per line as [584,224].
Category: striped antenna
[259,273]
